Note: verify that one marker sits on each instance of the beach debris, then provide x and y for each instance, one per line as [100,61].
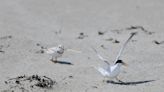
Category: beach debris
[58,31]
[141,28]
[6,37]
[29,82]
[158,43]
[135,27]
[113,40]
[38,44]
[1,51]
[82,36]
[3,46]
[41,46]
[70,76]
[102,32]
[118,31]
[102,46]
[116,41]
[42,49]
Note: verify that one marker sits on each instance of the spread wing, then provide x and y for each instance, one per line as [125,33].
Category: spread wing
[124,45]
[100,57]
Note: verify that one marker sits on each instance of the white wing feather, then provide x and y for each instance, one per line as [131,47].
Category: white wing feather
[103,71]
[100,57]
[123,47]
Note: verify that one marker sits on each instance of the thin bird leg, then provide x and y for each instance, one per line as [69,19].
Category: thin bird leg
[55,61]
[51,59]
[106,79]
[118,79]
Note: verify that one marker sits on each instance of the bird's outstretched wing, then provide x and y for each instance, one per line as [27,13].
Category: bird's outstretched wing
[124,45]
[100,57]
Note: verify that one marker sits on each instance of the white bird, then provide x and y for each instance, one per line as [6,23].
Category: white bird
[58,51]
[112,71]
[55,52]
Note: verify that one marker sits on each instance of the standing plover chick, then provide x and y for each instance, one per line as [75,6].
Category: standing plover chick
[112,71]
[55,52]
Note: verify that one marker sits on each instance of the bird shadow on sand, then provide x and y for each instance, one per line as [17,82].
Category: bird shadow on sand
[63,62]
[129,83]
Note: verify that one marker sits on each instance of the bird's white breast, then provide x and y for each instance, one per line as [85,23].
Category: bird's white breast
[115,70]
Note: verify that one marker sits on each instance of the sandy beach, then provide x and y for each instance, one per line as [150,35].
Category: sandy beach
[28,26]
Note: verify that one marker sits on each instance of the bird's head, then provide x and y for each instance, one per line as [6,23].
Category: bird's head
[121,62]
[61,47]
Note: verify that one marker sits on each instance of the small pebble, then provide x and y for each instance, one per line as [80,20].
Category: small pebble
[116,41]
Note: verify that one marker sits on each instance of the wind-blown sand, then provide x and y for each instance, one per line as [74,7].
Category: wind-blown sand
[27,26]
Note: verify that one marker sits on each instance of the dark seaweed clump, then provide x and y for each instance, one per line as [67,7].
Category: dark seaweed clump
[29,82]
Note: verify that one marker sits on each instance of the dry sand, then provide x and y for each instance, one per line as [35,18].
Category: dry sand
[26,25]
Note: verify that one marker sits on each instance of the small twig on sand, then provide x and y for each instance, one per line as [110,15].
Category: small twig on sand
[158,43]
[139,27]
